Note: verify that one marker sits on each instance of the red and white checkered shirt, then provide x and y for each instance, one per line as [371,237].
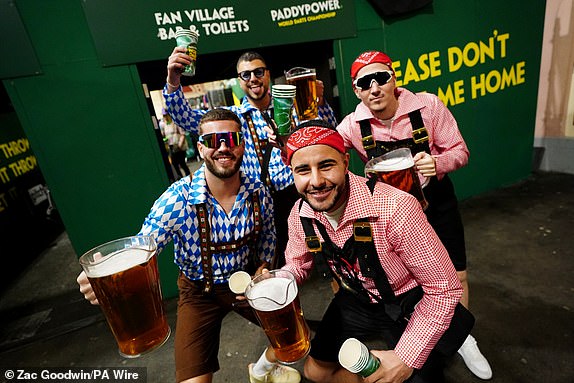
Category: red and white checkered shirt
[445,140]
[409,250]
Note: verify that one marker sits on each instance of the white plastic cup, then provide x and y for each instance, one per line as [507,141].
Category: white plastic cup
[238,282]
[356,358]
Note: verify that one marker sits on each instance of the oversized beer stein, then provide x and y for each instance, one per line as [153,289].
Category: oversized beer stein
[274,297]
[397,168]
[305,79]
[125,279]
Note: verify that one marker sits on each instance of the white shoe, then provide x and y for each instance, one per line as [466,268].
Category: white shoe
[474,360]
[277,374]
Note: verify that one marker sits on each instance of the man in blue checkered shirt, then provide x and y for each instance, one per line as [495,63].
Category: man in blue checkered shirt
[221,221]
[254,79]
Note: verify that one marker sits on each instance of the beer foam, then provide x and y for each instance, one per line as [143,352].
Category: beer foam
[390,164]
[302,76]
[275,290]
[118,261]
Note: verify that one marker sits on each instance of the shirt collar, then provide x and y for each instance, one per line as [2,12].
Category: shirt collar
[247,107]
[199,192]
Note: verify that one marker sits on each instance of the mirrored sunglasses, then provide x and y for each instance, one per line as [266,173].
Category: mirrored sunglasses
[366,81]
[246,74]
[214,140]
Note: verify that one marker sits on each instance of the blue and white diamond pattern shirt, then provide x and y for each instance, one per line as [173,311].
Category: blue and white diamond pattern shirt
[174,216]
[188,118]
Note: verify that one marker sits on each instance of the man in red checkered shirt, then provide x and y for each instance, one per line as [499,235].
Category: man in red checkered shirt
[408,250]
[390,117]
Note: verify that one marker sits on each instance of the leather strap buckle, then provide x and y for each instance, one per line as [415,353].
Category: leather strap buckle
[362,231]
[369,142]
[420,135]
[313,244]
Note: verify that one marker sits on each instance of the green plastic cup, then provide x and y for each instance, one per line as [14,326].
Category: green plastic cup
[188,39]
[283,102]
[355,357]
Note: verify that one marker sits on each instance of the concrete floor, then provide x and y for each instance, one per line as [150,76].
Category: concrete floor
[520,243]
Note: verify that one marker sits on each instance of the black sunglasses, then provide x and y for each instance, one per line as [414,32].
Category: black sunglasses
[365,82]
[214,140]
[246,74]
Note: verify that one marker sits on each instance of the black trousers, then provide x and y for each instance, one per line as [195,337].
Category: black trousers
[178,160]
[444,217]
[348,317]
[283,201]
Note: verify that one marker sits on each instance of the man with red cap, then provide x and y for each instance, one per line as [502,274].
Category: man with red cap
[391,117]
[403,255]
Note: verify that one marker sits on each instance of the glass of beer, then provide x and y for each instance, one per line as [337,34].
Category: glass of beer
[125,279]
[305,79]
[397,168]
[274,297]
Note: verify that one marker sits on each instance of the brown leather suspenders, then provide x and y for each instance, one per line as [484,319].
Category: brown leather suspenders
[208,247]
[261,149]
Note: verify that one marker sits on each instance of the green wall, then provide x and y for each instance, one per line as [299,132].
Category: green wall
[90,129]
[498,126]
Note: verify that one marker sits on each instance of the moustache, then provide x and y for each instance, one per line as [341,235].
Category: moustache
[224,154]
[319,189]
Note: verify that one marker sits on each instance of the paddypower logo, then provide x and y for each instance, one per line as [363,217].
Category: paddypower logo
[302,13]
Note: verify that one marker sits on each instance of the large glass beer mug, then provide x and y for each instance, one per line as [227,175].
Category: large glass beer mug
[125,279]
[305,79]
[274,297]
[397,168]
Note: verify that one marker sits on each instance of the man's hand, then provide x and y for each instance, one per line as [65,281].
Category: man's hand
[272,138]
[262,269]
[425,164]
[86,288]
[175,66]
[391,370]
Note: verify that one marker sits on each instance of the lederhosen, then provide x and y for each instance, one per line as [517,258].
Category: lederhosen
[442,212]
[360,249]
[283,200]
[208,248]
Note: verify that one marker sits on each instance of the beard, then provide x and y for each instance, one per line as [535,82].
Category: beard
[339,193]
[220,171]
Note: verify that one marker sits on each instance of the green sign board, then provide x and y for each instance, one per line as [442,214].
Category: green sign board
[131,31]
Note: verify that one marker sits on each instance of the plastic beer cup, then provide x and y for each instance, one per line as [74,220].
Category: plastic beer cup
[283,98]
[125,279]
[274,297]
[355,357]
[188,39]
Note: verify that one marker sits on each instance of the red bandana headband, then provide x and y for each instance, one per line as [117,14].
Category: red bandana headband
[314,135]
[370,57]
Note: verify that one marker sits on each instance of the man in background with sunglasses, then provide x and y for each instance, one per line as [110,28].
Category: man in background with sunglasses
[390,117]
[260,161]
[221,221]
[404,246]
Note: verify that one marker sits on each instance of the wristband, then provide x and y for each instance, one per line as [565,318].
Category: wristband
[173,86]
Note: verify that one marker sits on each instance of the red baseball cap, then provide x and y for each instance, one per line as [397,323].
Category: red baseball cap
[370,57]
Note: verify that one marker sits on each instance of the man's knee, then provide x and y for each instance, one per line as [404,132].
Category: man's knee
[318,371]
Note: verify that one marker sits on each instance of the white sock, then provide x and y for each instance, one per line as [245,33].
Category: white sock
[262,366]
